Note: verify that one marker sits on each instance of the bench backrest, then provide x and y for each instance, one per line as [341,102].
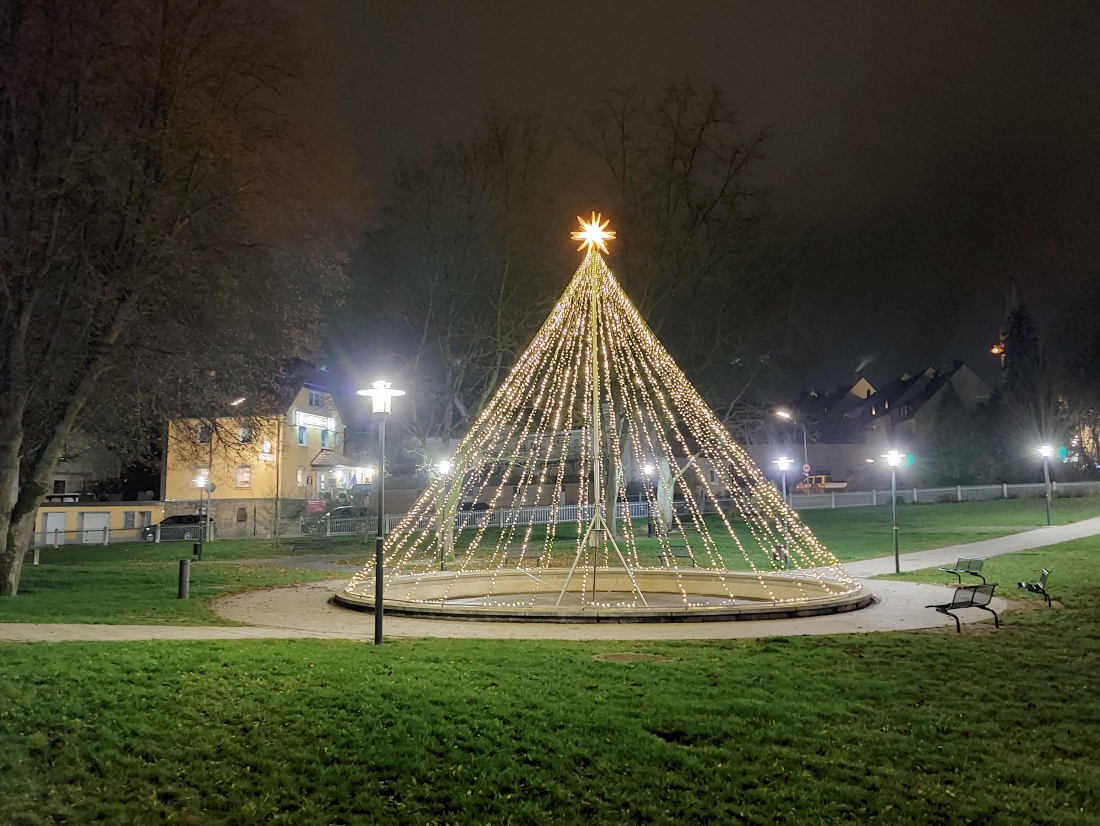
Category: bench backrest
[971,566]
[967,596]
[1043,578]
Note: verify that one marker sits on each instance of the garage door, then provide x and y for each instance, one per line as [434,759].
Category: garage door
[56,522]
[94,526]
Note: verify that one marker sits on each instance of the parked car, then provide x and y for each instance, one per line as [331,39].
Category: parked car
[344,519]
[181,526]
[820,484]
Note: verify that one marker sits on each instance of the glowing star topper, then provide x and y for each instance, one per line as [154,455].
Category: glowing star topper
[594,233]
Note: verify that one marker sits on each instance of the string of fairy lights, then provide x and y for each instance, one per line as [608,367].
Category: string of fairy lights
[531,464]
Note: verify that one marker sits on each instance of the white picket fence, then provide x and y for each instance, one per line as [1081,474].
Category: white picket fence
[544,515]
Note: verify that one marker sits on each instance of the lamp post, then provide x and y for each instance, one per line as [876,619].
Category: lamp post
[648,471]
[203,484]
[786,415]
[893,459]
[1046,451]
[784,464]
[381,394]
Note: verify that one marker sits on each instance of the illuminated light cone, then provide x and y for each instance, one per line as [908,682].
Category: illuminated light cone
[536,491]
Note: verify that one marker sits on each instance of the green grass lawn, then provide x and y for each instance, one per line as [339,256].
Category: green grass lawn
[980,728]
[855,533]
[124,584]
[136,584]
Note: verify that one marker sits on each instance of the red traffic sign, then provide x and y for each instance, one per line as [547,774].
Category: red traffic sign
[806,469]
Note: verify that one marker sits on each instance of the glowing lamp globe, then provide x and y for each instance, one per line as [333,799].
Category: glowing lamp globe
[381,394]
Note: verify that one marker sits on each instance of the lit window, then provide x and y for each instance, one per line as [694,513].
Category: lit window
[301,478]
[244,435]
[202,472]
[202,434]
[302,434]
[244,476]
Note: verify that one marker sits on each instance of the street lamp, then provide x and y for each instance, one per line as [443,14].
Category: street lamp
[894,459]
[1046,451]
[784,464]
[444,466]
[203,483]
[786,415]
[381,394]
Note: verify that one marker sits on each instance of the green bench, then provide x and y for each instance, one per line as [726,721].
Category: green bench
[972,566]
[969,596]
[1039,587]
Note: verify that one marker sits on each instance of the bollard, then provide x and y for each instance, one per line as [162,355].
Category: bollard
[37,551]
[185,579]
[196,550]
[156,535]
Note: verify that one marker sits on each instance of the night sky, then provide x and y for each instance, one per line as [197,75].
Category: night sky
[931,151]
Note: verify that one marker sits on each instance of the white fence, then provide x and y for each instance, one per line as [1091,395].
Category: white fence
[799,501]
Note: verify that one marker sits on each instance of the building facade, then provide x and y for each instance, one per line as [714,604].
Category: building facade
[269,468]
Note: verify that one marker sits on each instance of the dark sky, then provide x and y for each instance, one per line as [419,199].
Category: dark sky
[933,150]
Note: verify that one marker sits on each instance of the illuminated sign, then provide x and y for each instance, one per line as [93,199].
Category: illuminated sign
[270,457]
[312,420]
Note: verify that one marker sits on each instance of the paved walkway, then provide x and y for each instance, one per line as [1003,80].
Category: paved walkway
[304,611]
[1038,538]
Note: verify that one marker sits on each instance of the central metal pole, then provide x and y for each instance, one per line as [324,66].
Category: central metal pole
[894,509]
[597,492]
[1046,476]
[379,585]
[805,447]
[786,501]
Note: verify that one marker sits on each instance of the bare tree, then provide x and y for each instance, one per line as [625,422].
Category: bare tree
[460,265]
[159,243]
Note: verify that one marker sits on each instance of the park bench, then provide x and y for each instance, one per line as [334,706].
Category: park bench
[967,566]
[1039,587]
[969,596]
[311,545]
[677,547]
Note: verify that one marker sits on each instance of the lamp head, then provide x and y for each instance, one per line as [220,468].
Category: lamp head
[649,470]
[444,466]
[1046,451]
[784,414]
[784,463]
[381,393]
[893,458]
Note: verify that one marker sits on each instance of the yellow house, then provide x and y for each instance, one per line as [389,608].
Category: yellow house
[268,469]
[94,523]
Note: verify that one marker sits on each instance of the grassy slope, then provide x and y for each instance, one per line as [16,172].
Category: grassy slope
[983,727]
[122,584]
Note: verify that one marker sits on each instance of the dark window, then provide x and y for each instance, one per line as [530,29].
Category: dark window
[244,436]
[242,516]
[315,401]
[302,434]
[202,437]
[59,487]
[128,522]
[324,444]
